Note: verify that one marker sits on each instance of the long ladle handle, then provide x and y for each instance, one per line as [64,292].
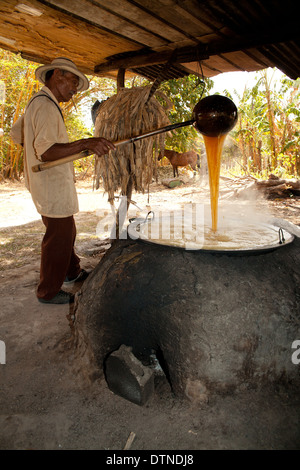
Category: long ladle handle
[86,153]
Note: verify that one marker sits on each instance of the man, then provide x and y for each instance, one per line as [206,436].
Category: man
[53,191]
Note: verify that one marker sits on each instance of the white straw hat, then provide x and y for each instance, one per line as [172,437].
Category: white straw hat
[63,64]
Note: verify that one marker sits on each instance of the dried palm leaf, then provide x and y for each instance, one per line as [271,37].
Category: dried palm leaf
[128,114]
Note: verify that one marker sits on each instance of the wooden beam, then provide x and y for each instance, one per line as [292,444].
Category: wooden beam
[185,54]
[197,53]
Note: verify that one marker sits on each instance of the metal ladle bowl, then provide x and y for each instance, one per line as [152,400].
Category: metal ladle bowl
[215,115]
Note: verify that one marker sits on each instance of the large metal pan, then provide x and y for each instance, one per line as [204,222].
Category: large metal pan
[280,238]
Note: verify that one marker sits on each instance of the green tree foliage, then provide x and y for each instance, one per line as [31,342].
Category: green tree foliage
[184,93]
[268,131]
[17,76]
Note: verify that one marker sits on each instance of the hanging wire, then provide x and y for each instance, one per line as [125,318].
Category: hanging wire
[161,76]
[202,79]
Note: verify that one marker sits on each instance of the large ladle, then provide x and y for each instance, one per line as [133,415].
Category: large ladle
[212,116]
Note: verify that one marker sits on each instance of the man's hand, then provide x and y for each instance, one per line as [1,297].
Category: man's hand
[99,145]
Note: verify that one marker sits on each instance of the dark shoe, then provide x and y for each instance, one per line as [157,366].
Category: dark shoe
[61,297]
[80,278]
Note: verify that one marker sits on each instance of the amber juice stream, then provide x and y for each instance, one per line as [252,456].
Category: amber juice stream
[214,147]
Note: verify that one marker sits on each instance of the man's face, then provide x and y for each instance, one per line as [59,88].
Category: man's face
[66,84]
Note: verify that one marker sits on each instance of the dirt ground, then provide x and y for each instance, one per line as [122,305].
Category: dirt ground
[46,405]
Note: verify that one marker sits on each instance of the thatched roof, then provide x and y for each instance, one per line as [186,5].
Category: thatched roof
[192,36]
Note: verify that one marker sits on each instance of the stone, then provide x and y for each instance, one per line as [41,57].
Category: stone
[127,377]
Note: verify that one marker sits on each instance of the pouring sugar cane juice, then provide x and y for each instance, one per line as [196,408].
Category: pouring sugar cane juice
[214,116]
[214,147]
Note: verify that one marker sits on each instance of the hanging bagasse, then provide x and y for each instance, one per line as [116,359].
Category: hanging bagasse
[129,113]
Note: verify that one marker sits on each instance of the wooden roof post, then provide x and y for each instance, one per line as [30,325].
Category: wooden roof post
[120,79]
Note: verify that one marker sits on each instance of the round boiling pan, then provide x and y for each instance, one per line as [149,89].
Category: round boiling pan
[282,236]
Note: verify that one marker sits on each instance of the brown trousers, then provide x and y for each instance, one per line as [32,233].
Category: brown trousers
[58,258]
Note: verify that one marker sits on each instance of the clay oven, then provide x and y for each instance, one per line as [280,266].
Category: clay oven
[217,322]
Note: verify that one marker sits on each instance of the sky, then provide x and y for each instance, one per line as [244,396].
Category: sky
[238,80]
[233,80]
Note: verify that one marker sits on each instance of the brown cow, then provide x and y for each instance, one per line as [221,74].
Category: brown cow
[181,159]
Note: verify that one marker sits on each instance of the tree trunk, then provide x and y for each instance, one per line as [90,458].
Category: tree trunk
[258,156]
[271,122]
[243,146]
